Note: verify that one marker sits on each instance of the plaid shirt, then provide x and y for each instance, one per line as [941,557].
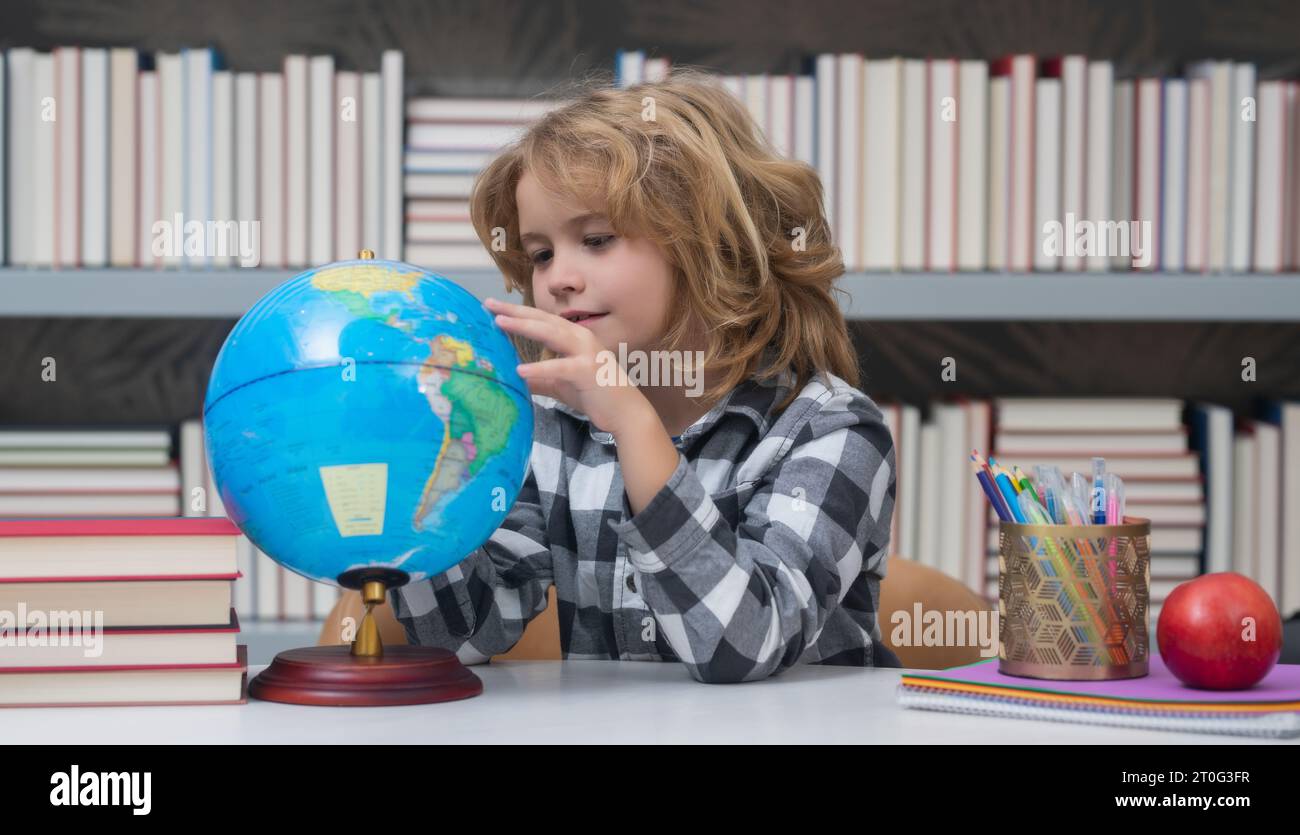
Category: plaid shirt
[765,548]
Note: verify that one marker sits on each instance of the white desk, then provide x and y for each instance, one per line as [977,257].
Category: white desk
[582,701]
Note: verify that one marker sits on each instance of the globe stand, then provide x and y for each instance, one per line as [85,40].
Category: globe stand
[366,674]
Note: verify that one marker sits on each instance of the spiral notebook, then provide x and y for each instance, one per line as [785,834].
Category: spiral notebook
[1157,701]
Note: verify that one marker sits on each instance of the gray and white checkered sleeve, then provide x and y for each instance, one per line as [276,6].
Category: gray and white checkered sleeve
[479,607]
[738,604]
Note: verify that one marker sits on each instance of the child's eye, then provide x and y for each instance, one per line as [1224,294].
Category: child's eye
[600,240]
[537,256]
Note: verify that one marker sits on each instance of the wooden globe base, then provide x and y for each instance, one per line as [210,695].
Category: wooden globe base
[333,676]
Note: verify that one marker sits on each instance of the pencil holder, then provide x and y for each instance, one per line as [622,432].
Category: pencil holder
[1073,600]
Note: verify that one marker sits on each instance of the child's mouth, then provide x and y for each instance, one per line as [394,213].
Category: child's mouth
[587,319]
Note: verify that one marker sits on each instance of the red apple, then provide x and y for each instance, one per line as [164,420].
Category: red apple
[1219,632]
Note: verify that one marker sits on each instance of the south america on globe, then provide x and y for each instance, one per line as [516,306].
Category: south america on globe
[367,415]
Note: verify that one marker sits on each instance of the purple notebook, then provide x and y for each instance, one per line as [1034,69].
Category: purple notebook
[1281,686]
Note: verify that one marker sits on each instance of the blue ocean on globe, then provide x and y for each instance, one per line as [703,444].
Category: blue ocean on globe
[367,414]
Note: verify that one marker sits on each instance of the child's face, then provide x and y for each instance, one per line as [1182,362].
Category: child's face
[580,264]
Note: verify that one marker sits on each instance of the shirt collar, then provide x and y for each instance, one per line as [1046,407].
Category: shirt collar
[753,398]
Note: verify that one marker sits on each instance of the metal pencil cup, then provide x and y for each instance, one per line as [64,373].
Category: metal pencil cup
[1073,600]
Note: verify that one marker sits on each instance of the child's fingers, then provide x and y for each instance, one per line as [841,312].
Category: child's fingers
[557,335]
[521,311]
[552,370]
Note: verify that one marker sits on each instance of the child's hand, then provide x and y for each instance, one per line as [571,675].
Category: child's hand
[585,376]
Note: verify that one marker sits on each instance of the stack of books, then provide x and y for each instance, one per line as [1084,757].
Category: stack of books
[448,142]
[168,159]
[1035,163]
[1252,468]
[87,471]
[265,590]
[119,611]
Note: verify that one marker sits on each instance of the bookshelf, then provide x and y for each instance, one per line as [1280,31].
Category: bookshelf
[1034,297]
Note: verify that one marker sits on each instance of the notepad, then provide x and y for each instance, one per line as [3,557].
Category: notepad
[1157,701]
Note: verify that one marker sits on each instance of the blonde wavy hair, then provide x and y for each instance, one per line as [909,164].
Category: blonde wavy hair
[700,181]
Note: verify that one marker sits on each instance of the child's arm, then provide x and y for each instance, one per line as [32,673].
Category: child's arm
[480,607]
[743,603]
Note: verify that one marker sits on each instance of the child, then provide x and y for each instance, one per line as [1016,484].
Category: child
[737,522]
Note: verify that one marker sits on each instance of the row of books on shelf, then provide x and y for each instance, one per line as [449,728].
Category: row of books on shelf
[134,472]
[120,158]
[119,611]
[1222,494]
[1024,164]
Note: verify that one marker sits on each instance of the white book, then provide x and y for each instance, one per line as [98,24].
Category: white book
[826,75]
[1244,479]
[1173,211]
[449,256]
[271,201]
[195,500]
[391,79]
[347,168]
[972,160]
[1266,518]
[1270,176]
[1047,171]
[630,67]
[171,148]
[323,112]
[268,573]
[1242,180]
[735,84]
[1292,226]
[1022,236]
[1099,147]
[21,120]
[929,516]
[909,474]
[1222,114]
[44,139]
[225,248]
[656,69]
[123,176]
[438,185]
[954,475]
[94,157]
[979,426]
[777,92]
[1288,598]
[324,596]
[941,116]
[880,172]
[1146,207]
[149,193]
[1217,448]
[4,155]
[246,163]
[372,157]
[849,161]
[1122,168]
[805,120]
[67,155]
[914,107]
[1074,97]
[197,73]
[458,109]
[1196,247]
[297,159]
[999,168]
[439,230]
[296,595]
[756,101]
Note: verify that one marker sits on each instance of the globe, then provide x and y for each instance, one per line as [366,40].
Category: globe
[364,419]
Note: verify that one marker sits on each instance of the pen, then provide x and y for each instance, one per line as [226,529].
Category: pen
[1098,491]
[990,491]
